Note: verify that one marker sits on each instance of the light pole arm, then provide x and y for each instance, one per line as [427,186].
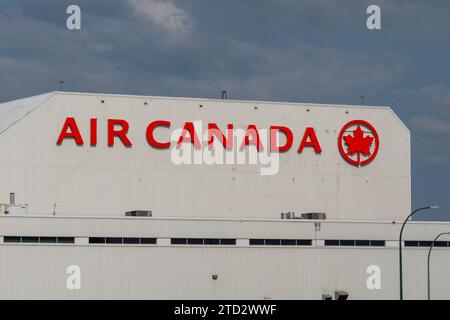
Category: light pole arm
[406,220]
[400,248]
[428,260]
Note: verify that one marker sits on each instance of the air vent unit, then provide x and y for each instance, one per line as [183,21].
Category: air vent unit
[314,215]
[139,213]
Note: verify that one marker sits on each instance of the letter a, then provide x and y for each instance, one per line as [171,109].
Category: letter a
[374,280]
[73,22]
[374,20]
[73,281]
[70,130]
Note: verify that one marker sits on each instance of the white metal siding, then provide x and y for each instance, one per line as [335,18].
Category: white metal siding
[165,271]
[110,272]
[109,181]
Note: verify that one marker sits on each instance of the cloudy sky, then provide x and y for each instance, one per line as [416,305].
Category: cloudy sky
[285,50]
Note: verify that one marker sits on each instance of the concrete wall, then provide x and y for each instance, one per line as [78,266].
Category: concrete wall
[102,180]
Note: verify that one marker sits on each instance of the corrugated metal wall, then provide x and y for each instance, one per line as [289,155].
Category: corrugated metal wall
[244,272]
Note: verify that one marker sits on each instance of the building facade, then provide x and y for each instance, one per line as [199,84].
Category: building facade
[238,200]
[98,171]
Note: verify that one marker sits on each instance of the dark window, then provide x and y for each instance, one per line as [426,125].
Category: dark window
[30,239]
[411,243]
[96,240]
[425,243]
[211,241]
[130,240]
[304,242]
[114,240]
[12,239]
[273,242]
[347,242]
[66,240]
[256,242]
[440,243]
[8,239]
[227,241]
[288,242]
[377,243]
[195,241]
[48,240]
[331,242]
[178,241]
[362,243]
[148,240]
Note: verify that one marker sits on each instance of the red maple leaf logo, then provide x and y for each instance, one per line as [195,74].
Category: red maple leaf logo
[358,143]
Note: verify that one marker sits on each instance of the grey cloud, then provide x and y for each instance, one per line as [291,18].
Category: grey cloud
[309,51]
[248,69]
[163,14]
[430,125]
[417,20]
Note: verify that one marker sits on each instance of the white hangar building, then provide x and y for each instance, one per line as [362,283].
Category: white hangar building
[176,198]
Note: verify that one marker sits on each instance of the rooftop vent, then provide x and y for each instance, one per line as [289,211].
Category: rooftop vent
[138,213]
[314,216]
[289,215]
[12,198]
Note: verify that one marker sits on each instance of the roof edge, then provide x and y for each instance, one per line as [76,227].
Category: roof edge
[220,100]
[45,97]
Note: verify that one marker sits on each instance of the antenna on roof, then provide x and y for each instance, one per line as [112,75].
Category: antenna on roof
[363,98]
[61,85]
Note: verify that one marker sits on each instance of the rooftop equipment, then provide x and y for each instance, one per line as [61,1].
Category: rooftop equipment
[314,215]
[138,213]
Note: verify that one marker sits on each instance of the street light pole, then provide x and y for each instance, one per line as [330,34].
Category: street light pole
[428,261]
[400,245]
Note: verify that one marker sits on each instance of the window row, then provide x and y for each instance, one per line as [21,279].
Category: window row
[427,243]
[280,242]
[218,241]
[201,241]
[13,239]
[356,243]
[118,240]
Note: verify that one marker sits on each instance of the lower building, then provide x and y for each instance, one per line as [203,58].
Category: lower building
[61,257]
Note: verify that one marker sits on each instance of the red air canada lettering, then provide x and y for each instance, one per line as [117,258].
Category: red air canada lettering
[358,141]
[117,132]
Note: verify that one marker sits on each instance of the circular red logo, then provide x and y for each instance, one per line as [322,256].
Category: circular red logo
[358,142]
